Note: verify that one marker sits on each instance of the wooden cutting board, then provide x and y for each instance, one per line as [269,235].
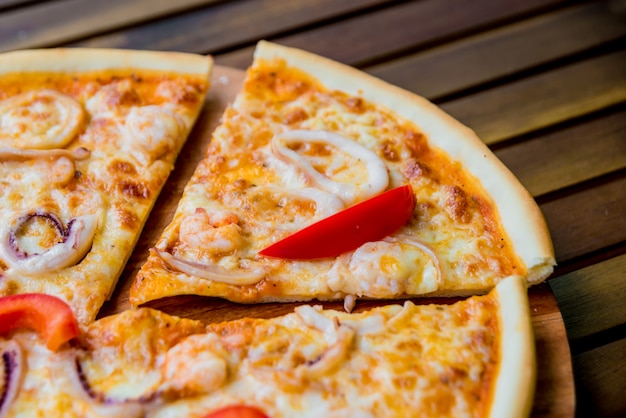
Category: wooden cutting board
[555,386]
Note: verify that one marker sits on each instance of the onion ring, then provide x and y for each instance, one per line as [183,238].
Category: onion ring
[122,408]
[211,272]
[76,240]
[13,367]
[42,119]
[18,154]
[377,175]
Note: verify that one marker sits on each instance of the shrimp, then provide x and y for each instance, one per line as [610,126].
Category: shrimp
[206,373]
[214,232]
[60,171]
[155,130]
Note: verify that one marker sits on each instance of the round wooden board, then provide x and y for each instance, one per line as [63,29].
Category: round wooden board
[555,385]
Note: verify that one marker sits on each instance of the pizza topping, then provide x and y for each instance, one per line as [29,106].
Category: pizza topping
[349,302]
[370,220]
[178,91]
[214,232]
[113,99]
[237,411]
[389,268]
[194,366]
[105,405]
[38,242]
[309,347]
[371,324]
[267,204]
[17,154]
[324,156]
[456,204]
[48,315]
[41,119]
[339,336]
[59,165]
[156,129]
[311,369]
[11,371]
[217,273]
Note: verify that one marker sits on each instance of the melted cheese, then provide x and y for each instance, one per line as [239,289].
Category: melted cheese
[440,360]
[155,130]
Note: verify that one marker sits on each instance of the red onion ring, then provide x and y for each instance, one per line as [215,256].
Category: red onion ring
[243,277]
[100,402]
[75,240]
[103,398]
[13,367]
[56,223]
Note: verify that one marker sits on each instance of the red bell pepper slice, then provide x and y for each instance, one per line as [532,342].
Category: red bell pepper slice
[46,314]
[370,220]
[237,411]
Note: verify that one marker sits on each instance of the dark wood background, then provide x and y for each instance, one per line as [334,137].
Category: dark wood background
[543,82]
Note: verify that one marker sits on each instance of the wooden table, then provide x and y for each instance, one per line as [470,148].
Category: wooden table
[543,82]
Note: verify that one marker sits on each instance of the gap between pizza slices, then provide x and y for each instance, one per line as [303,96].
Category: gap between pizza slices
[307,138]
[87,139]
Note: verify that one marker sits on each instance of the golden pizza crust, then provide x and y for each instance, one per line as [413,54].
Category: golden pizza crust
[514,387]
[520,215]
[94,59]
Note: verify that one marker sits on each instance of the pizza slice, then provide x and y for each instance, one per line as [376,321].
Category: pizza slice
[472,358]
[87,140]
[302,195]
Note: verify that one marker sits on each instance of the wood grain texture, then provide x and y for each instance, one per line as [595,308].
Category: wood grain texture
[601,381]
[592,299]
[554,394]
[48,24]
[572,234]
[569,156]
[367,38]
[543,100]
[505,51]
[227,25]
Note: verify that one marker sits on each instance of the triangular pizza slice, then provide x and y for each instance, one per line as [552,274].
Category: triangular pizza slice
[322,182]
[88,138]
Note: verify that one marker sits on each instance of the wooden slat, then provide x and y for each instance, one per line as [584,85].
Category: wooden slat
[543,100]
[587,221]
[600,376]
[592,299]
[12,3]
[50,23]
[227,25]
[502,52]
[566,157]
[554,394]
[412,25]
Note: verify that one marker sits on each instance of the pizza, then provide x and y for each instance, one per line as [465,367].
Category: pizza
[472,358]
[319,183]
[87,140]
[322,182]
